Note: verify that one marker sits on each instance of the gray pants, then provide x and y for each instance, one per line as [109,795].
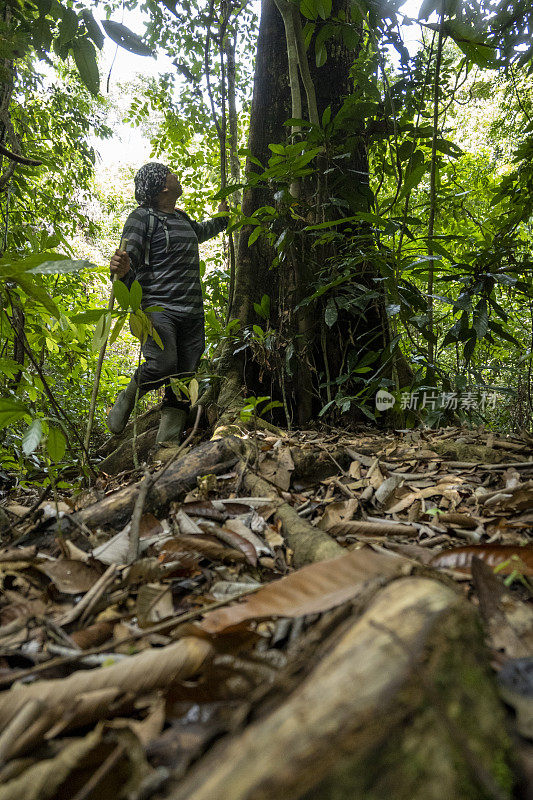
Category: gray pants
[183,345]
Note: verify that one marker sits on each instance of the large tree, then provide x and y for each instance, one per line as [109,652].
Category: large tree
[326,311]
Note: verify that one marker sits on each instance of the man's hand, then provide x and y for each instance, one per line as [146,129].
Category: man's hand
[223,208]
[120,263]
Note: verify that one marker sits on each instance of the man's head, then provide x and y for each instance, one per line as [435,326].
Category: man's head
[156,184]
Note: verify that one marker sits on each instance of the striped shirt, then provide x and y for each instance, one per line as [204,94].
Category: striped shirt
[172,277]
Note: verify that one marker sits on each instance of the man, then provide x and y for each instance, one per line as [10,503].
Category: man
[162,254]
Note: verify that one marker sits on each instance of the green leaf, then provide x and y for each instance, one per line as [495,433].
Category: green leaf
[32,437]
[89,316]
[93,28]
[85,58]
[427,8]
[309,8]
[56,444]
[324,8]
[331,314]
[117,329]
[126,38]
[33,286]
[11,264]
[136,327]
[481,319]
[68,26]
[61,267]
[412,180]
[469,348]
[11,410]
[136,294]
[321,56]
[255,234]
[193,391]
[122,294]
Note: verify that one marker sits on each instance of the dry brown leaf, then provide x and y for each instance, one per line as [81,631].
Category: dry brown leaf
[504,558]
[154,603]
[238,526]
[310,590]
[337,513]
[273,536]
[70,576]
[354,470]
[373,528]
[151,669]
[277,467]
[93,635]
[42,780]
[206,546]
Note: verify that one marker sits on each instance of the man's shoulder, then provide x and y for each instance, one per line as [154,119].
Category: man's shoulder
[139,215]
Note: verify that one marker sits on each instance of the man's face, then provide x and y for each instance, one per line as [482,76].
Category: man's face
[173,185]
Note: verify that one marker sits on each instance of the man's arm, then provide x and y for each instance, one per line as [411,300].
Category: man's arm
[211,227]
[125,264]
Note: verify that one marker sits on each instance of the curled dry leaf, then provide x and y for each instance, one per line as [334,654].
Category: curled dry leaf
[240,527]
[151,669]
[310,590]
[206,546]
[507,559]
[70,576]
[233,540]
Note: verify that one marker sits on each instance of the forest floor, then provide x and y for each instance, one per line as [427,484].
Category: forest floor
[297,607]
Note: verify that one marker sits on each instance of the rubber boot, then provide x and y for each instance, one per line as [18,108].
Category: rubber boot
[172,424]
[119,415]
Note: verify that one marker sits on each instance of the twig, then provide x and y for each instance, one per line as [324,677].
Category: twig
[148,482]
[87,790]
[31,511]
[133,549]
[91,597]
[160,627]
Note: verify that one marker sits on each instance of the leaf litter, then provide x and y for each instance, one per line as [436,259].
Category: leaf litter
[112,668]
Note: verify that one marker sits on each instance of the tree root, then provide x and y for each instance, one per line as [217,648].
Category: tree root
[364,722]
[308,544]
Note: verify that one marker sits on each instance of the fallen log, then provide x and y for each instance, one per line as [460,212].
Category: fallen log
[147,421]
[121,458]
[403,707]
[116,508]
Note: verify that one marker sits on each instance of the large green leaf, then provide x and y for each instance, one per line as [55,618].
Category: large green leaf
[85,58]
[93,28]
[32,437]
[68,26]
[11,410]
[33,286]
[89,316]
[122,294]
[56,444]
[11,264]
[126,38]
[62,267]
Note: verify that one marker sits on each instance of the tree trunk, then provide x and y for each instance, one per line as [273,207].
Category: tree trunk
[320,352]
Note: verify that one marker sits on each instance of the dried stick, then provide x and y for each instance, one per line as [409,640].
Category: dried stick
[91,597]
[98,371]
[148,482]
